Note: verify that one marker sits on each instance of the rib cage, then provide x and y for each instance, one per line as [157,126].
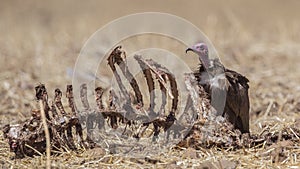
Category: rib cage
[65,126]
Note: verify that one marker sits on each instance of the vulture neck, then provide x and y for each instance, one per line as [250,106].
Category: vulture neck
[206,62]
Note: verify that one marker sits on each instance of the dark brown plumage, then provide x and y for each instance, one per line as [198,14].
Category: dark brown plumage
[227,89]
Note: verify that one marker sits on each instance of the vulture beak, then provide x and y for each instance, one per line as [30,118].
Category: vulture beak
[189,49]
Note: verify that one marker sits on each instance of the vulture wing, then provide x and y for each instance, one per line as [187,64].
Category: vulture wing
[237,101]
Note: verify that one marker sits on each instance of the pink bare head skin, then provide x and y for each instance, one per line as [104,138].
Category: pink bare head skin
[201,50]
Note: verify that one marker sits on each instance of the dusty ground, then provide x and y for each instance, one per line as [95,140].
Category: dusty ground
[261,40]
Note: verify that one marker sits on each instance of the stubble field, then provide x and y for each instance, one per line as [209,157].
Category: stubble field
[261,40]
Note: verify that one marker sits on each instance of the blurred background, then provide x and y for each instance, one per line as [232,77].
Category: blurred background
[41,40]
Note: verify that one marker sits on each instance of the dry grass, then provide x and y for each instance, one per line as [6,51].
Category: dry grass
[263,46]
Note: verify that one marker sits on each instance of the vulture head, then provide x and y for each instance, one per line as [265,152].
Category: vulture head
[201,50]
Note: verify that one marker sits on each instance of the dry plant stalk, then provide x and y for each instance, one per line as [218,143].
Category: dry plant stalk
[47,135]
